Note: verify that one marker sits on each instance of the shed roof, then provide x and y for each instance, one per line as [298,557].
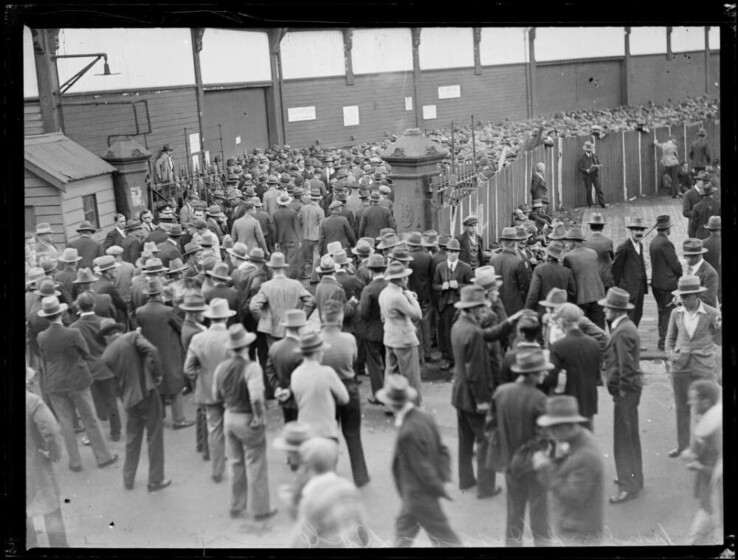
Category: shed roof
[60,161]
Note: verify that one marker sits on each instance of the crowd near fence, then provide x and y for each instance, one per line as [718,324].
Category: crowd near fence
[630,169]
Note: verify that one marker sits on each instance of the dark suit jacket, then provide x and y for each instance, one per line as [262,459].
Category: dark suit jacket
[113,237]
[547,276]
[579,355]
[586,268]
[350,218]
[373,219]
[267,227]
[282,361]
[699,153]
[538,188]
[605,255]
[89,326]
[66,359]
[421,462]
[107,287]
[708,279]
[462,274]
[585,162]
[472,372]
[135,363]
[157,236]
[713,255]
[623,359]
[336,228]
[515,278]
[422,277]
[702,211]
[330,289]
[465,253]
[286,226]
[132,248]
[88,249]
[229,294]
[690,200]
[629,269]
[159,327]
[665,266]
[168,252]
[370,324]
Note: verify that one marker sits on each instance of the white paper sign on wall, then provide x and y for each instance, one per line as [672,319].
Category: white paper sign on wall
[351,115]
[408,103]
[429,112]
[238,140]
[195,143]
[449,92]
[295,114]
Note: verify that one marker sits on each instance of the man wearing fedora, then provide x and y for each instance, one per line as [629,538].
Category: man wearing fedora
[471,243]
[151,269]
[513,435]
[160,326]
[713,246]
[123,274]
[44,241]
[548,275]
[133,242]
[83,284]
[247,229]
[311,215]
[68,274]
[665,273]
[624,380]
[399,308]
[692,340]
[375,217]
[538,188]
[370,326]
[169,249]
[699,152]
[703,210]
[66,359]
[222,290]
[107,267]
[206,350]
[336,228]
[693,252]
[421,468]
[164,165]
[604,247]
[86,246]
[573,473]
[629,268]
[584,264]
[515,276]
[284,357]
[420,282]
[694,195]
[471,394]
[589,168]
[287,232]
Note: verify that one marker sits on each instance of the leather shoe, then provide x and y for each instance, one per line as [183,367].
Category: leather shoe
[623,496]
[128,486]
[115,437]
[185,424]
[374,400]
[675,452]
[109,462]
[160,485]
[85,440]
[267,515]
[484,495]
[217,478]
[76,469]
[235,513]
[467,486]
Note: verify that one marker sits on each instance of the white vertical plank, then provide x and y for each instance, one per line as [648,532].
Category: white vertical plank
[561,172]
[625,181]
[640,167]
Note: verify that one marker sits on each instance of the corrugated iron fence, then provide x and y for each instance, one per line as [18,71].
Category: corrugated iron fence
[630,168]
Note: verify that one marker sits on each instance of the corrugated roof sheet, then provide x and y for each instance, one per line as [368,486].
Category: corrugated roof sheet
[60,160]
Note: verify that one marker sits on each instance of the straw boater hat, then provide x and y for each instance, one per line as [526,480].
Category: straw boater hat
[472,296]
[396,270]
[50,306]
[69,255]
[294,319]
[636,223]
[693,247]
[531,361]
[396,390]
[239,337]
[486,277]
[219,309]
[193,301]
[689,285]
[293,435]
[277,260]
[555,297]
[562,409]
[617,298]
[713,223]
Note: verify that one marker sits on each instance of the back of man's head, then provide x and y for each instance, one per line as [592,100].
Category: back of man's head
[85,302]
[529,327]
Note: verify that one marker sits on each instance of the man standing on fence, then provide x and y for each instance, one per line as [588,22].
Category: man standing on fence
[471,243]
[670,162]
[164,166]
[699,152]
[589,166]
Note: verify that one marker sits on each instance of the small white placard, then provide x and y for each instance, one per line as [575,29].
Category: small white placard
[351,115]
[408,103]
[196,164]
[449,92]
[195,143]
[429,112]
[137,196]
[238,140]
[301,114]
[207,158]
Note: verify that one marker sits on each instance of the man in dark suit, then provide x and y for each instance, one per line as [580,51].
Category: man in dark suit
[449,278]
[284,357]
[699,152]
[549,275]
[170,249]
[693,252]
[103,302]
[702,212]
[471,243]
[604,247]
[116,235]
[375,218]
[625,384]
[584,263]
[370,325]
[471,395]
[629,269]
[287,233]
[221,289]
[589,166]
[342,197]
[538,188]
[336,228]
[107,266]
[694,195]
[421,467]
[512,269]
[420,282]
[713,246]
[132,244]
[577,357]
[665,273]
[88,248]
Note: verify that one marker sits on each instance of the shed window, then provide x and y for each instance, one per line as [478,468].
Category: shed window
[89,206]
[30,219]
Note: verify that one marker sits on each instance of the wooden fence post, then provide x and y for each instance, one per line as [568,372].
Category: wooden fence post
[625,180]
[561,172]
[640,167]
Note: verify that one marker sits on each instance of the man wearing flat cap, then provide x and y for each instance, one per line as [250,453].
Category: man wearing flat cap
[471,243]
[629,268]
[665,273]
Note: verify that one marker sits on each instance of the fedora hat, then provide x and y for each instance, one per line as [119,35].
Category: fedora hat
[70,255]
[563,409]
[555,249]
[509,234]
[400,253]
[707,187]
[256,255]
[414,239]
[108,326]
[219,309]
[284,199]
[531,361]
[132,225]
[272,180]
[175,231]
[86,226]
[524,208]
[47,288]
[240,251]
[150,247]
[106,262]
[220,272]
[453,245]
[327,265]
[85,276]
[374,197]
[362,249]
[713,223]
[369,241]
[486,277]
[430,238]
[616,298]
[256,202]
[396,390]
[663,222]
[42,228]
[239,336]
[396,270]
[470,221]
[333,247]
[154,266]
[47,264]
[315,194]
[310,342]
[294,319]
[340,258]
[277,260]
[176,265]
[596,218]
[293,435]
[376,262]
[689,285]
[193,301]
[693,247]
[191,247]
[472,296]
[207,239]
[555,297]
[213,210]
[558,232]
[50,306]
[636,223]
[388,241]
[574,234]
[522,233]
[153,286]
[443,240]
[588,145]
[34,275]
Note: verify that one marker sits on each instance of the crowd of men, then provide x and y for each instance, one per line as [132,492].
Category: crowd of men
[291,287]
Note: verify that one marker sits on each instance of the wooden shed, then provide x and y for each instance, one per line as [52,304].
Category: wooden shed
[64,185]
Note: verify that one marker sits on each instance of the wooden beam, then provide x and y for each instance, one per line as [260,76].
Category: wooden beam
[348,43]
[707,60]
[625,75]
[45,45]
[197,34]
[477,55]
[275,108]
[531,72]
[417,77]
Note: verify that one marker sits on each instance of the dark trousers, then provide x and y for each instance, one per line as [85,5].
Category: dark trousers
[594,312]
[590,181]
[55,530]
[681,383]
[471,428]
[636,313]
[522,491]
[349,419]
[374,352]
[145,415]
[627,442]
[423,511]
[106,404]
[663,303]
[290,414]
[291,252]
[360,362]
[673,172]
[445,322]
[201,432]
[262,344]
[309,257]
